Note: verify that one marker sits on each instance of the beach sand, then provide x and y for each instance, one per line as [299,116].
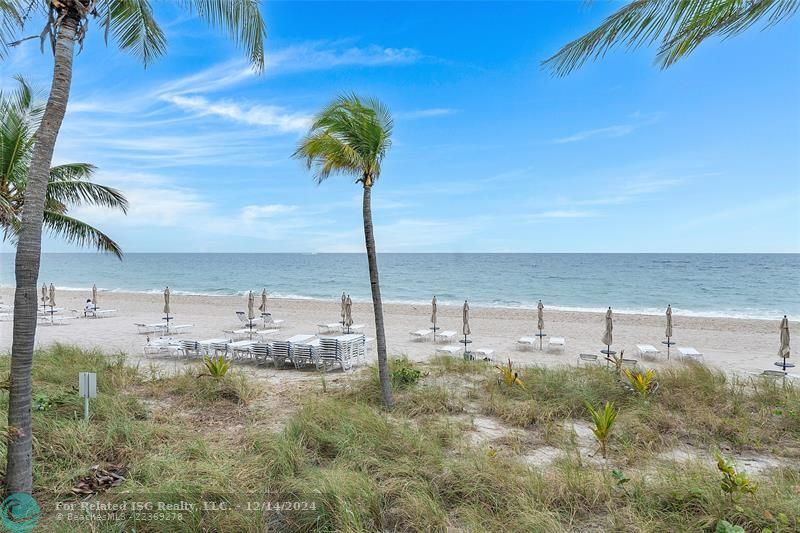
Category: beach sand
[740,345]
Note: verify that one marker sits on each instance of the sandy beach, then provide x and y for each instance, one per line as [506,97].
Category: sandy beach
[731,344]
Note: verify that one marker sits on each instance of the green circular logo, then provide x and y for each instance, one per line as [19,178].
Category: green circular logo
[20,512]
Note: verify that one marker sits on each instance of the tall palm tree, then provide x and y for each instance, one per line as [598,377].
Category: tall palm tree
[132,25]
[680,25]
[69,185]
[351,136]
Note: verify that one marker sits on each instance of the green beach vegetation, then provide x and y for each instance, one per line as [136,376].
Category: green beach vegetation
[461,451]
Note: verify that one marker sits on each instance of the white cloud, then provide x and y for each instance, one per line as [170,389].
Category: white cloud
[253,212]
[424,113]
[325,55]
[619,130]
[255,114]
[561,213]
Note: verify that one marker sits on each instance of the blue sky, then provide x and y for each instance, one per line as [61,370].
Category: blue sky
[490,152]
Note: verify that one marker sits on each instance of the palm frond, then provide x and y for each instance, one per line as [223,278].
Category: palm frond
[10,23]
[680,25]
[240,19]
[80,233]
[134,28]
[74,192]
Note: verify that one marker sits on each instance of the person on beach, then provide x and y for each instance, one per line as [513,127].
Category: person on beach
[89,308]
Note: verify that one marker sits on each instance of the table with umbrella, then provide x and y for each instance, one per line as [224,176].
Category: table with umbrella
[668,332]
[343,312]
[263,307]
[44,298]
[540,323]
[465,329]
[251,311]
[784,350]
[52,302]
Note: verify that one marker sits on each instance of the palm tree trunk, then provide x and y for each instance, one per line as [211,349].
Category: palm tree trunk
[19,470]
[377,304]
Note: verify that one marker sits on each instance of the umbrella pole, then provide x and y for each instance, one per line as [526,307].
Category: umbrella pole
[540,340]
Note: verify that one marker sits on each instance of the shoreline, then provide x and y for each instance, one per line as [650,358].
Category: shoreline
[8,291]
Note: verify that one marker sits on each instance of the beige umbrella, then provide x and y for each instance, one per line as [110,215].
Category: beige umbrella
[668,332]
[94,295]
[52,297]
[607,337]
[263,306]
[433,314]
[166,307]
[465,317]
[784,350]
[44,295]
[251,309]
[344,310]
[540,322]
[348,313]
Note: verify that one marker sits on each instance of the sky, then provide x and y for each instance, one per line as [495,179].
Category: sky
[490,152]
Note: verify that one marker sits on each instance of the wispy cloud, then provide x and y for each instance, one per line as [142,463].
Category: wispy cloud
[254,212]
[424,113]
[255,114]
[324,55]
[618,130]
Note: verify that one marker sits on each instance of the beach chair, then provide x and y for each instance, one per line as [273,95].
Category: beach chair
[305,353]
[261,353]
[526,342]
[161,346]
[240,349]
[587,358]
[420,334]
[343,351]
[687,352]
[270,322]
[146,329]
[448,349]
[188,348]
[329,327]
[445,336]
[354,329]
[772,374]
[556,343]
[487,354]
[647,350]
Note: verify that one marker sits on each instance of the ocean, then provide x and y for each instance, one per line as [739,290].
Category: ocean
[724,285]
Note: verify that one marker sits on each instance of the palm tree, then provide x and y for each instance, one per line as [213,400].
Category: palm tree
[131,23]
[351,136]
[68,186]
[680,26]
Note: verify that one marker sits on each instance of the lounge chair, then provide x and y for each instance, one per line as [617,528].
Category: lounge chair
[421,334]
[329,327]
[587,358]
[556,343]
[343,351]
[355,328]
[525,342]
[647,350]
[773,374]
[449,349]
[260,352]
[188,348]
[486,354]
[305,353]
[690,353]
[446,335]
[162,345]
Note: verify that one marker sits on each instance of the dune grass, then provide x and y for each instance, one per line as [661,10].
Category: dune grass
[347,466]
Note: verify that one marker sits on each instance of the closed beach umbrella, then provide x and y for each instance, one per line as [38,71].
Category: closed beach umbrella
[52,302]
[94,295]
[785,349]
[465,326]
[433,312]
[263,306]
[251,306]
[344,304]
[540,316]
[348,312]
[44,294]
[669,322]
[607,337]
[166,301]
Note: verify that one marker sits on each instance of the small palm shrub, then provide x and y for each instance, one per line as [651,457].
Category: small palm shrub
[217,368]
[733,483]
[643,383]
[603,423]
[509,376]
[404,374]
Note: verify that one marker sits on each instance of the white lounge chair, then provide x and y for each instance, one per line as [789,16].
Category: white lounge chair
[689,352]
[446,335]
[329,327]
[587,358]
[525,342]
[161,346]
[483,353]
[355,328]
[239,349]
[556,343]
[449,349]
[647,350]
[421,334]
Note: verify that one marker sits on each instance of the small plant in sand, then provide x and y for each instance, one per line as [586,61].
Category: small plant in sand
[217,368]
[404,374]
[509,376]
[617,360]
[643,383]
[733,483]
[723,526]
[603,423]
